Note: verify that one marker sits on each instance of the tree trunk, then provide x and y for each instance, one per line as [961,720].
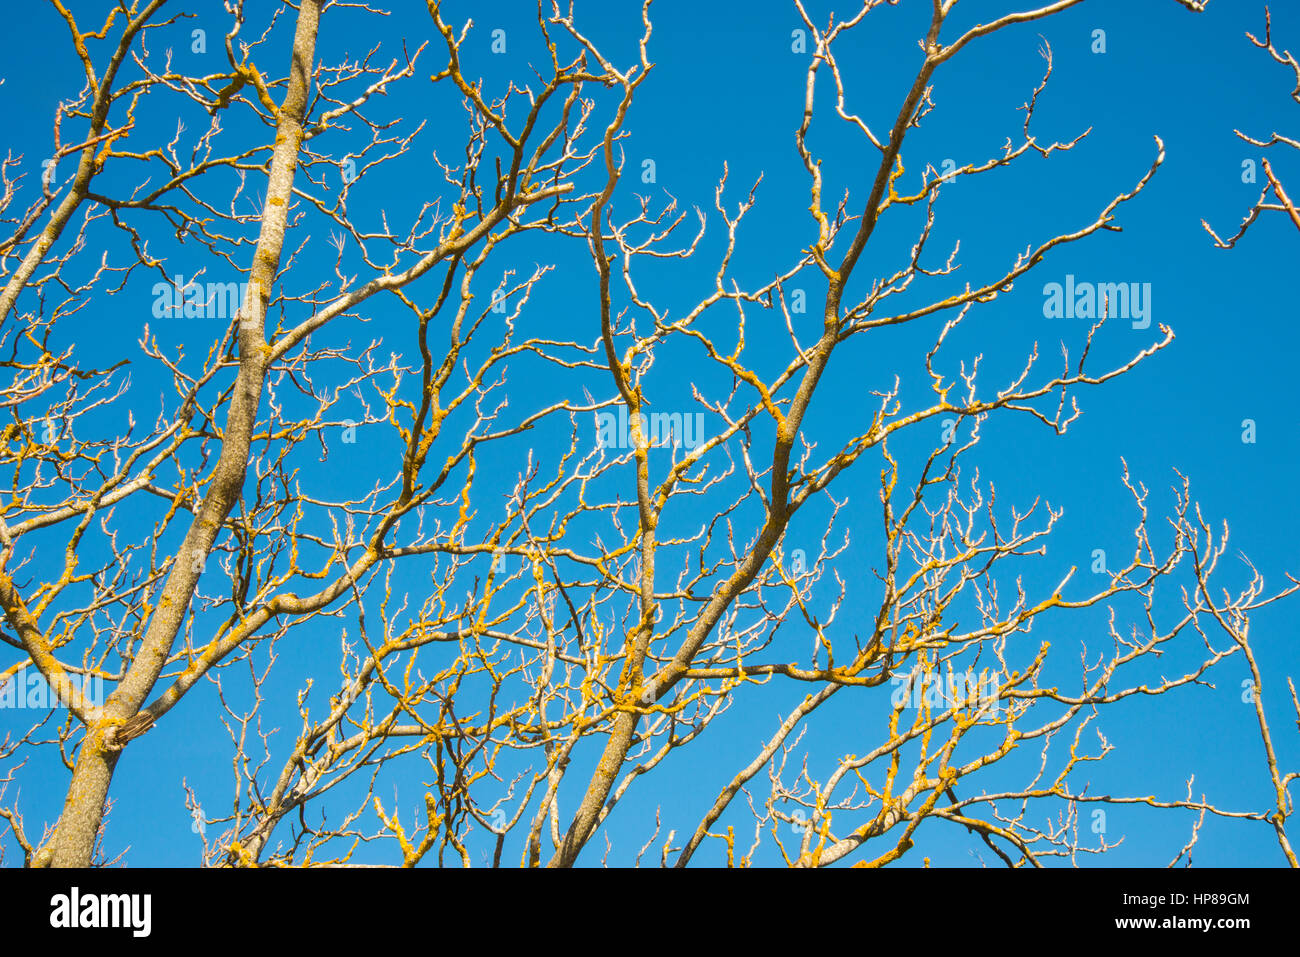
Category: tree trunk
[74,838]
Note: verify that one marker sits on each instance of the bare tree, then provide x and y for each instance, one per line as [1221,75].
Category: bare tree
[1238,628]
[540,661]
[1282,201]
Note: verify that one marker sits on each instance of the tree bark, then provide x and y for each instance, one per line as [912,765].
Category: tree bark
[72,844]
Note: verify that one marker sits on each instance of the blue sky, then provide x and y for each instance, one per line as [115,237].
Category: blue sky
[727,88]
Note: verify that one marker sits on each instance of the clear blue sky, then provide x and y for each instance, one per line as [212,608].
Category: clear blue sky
[726,87]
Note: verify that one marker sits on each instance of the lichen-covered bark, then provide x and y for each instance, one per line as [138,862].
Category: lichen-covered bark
[83,809]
